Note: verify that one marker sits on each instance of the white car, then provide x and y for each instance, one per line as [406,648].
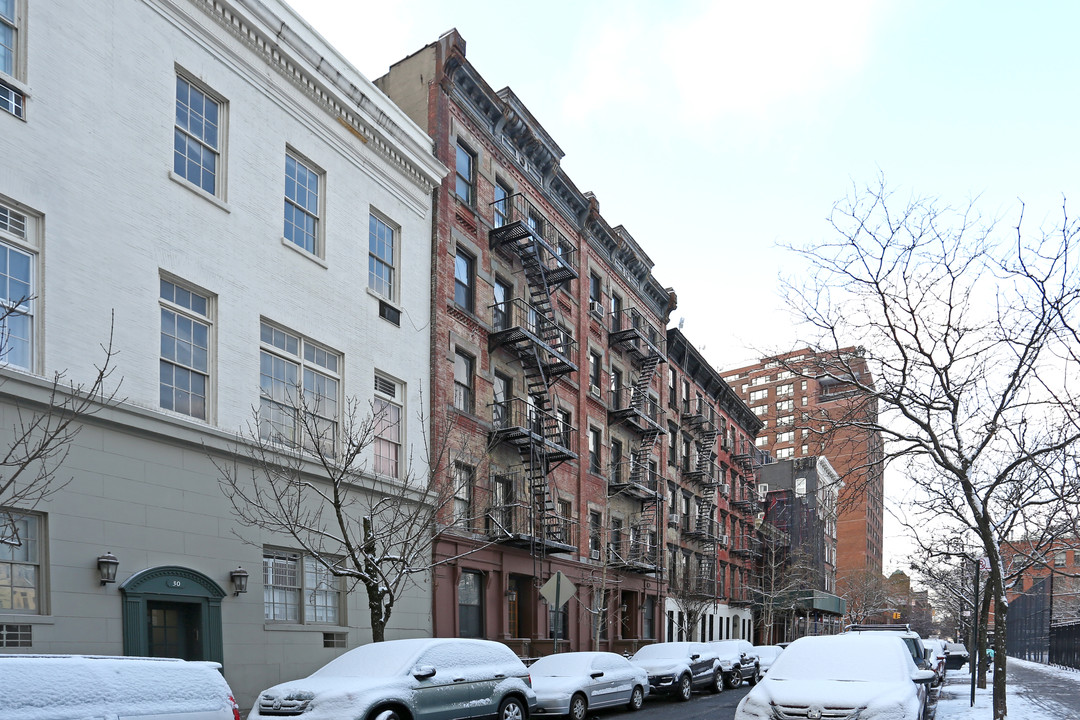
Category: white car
[935,655]
[767,655]
[679,668]
[63,687]
[575,683]
[869,676]
[419,679]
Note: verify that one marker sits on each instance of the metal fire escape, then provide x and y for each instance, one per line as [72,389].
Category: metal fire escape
[530,330]
[631,333]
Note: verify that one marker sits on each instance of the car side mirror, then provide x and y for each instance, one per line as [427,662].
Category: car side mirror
[695,656]
[923,677]
[423,672]
[597,674]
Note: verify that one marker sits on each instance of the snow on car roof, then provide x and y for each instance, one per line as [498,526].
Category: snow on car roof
[664,650]
[869,657]
[59,687]
[564,664]
[393,657]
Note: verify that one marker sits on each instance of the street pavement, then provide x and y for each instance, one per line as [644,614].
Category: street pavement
[1033,692]
[703,706]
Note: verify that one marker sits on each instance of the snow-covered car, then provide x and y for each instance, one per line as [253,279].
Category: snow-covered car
[870,676]
[740,661]
[418,679]
[956,656]
[911,639]
[935,655]
[62,687]
[767,655]
[679,668]
[576,682]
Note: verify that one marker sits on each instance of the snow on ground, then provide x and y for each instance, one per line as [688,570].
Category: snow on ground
[1034,692]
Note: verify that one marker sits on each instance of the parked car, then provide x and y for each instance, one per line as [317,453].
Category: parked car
[679,668]
[911,638]
[62,687]
[576,682]
[419,679]
[767,655]
[869,675]
[740,660]
[956,656]
[935,655]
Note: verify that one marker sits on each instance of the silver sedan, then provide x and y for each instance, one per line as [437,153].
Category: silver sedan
[575,683]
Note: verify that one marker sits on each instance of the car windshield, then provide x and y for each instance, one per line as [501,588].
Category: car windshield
[662,651]
[851,658]
[383,659]
[561,666]
[726,646]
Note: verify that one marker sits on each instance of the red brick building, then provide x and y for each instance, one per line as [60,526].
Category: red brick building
[798,402]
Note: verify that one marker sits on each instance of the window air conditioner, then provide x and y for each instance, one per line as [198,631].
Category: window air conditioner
[594,554]
[596,307]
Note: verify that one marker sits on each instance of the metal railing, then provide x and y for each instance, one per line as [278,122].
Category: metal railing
[626,472]
[518,519]
[518,414]
[627,398]
[557,251]
[632,330]
[518,313]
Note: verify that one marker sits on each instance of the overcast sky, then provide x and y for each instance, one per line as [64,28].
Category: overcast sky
[716,131]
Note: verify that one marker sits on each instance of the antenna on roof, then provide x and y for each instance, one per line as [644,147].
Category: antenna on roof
[682,321]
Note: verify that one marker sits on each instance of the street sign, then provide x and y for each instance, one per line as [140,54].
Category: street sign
[984,564]
[558,590]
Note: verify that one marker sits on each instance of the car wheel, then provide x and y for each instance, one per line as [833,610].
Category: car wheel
[686,689]
[511,709]
[734,678]
[756,677]
[388,714]
[637,698]
[578,707]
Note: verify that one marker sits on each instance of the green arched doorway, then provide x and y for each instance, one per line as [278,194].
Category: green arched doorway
[172,611]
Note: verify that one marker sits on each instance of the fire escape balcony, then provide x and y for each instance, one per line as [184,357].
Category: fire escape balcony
[641,411]
[520,228]
[518,422]
[519,525]
[702,585]
[518,325]
[634,556]
[706,473]
[699,416]
[634,480]
[632,332]
[747,504]
[703,529]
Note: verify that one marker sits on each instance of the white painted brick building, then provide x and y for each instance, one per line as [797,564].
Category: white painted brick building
[208,174]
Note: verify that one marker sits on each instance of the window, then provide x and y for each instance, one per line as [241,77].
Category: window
[805,450]
[784,453]
[785,420]
[596,295]
[501,310]
[381,242]
[463,381]
[762,441]
[566,428]
[11,100]
[185,350]
[301,204]
[786,436]
[463,481]
[785,390]
[595,530]
[685,395]
[20,562]
[672,389]
[673,445]
[501,205]
[760,380]
[503,390]
[387,430]
[649,618]
[464,274]
[1059,559]
[465,167]
[17,289]
[760,410]
[299,589]
[594,374]
[804,400]
[616,313]
[594,450]
[299,390]
[785,405]
[197,138]
[758,395]
[471,605]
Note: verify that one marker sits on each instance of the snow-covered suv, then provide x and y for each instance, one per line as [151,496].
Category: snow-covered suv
[911,638]
[679,668]
[740,661]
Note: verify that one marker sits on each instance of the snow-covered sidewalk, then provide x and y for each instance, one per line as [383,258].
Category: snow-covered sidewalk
[1035,692]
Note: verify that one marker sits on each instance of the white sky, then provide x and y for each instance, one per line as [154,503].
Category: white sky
[715,130]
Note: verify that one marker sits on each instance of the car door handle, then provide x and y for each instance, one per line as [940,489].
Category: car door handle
[499,675]
[459,679]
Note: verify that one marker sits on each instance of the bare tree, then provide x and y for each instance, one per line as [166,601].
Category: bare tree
[43,430]
[692,594]
[778,580]
[970,341]
[367,515]
[866,595]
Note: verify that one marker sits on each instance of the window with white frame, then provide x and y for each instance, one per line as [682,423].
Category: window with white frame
[463,482]
[21,561]
[785,405]
[786,436]
[759,395]
[299,381]
[386,409]
[761,441]
[465,174]
[184,376]
[381,247]
[760,380]
[11,64]
[785,390]
[198,136]
[299,589]
[17,287]
[760,410]
[302,181]
[785,420]
[464,372]
[464,280]
[501,206]
[784,453]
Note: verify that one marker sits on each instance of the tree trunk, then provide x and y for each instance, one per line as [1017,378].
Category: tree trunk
[980,646]
[1001,619]
[378,622]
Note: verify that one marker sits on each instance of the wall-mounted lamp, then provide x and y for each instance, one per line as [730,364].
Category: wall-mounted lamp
[239,578]
[511,595]
[622,608]
[106,565]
